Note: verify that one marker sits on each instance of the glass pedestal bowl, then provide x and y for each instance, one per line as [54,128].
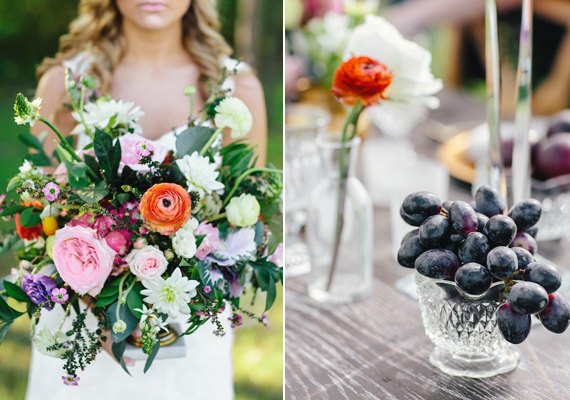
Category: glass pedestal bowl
[465,333]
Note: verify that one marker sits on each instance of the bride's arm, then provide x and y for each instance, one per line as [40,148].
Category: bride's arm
[249,90]
[51,89]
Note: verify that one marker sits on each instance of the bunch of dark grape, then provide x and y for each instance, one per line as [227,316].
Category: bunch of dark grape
[477,244]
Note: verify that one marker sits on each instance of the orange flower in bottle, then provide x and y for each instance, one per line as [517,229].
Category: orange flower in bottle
[28,233]
[361,78]
[165,207]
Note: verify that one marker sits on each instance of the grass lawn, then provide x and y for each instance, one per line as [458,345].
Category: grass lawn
[258,352]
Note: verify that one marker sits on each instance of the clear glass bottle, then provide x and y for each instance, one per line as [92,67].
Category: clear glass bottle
[351,277]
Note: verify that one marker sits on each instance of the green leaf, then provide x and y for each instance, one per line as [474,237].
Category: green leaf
[7,313]
[39,160]
[105,301]
[262,276]
[4,326]
[192,139]
[122,198]
[111,290]
[271,294]
[134,301]
[118,349]
[258,233]
[16,292]
[12,210]
[31,141]
[30,217]
[92,163]
[126,315]
[108,154]
[94,193]
[151,356]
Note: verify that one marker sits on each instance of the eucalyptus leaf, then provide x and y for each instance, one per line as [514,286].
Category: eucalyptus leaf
[118,349]
[258,233]
[126,315]
[151,356]
[192,139]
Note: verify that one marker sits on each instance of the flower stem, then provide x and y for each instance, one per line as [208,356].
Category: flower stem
[211,140]
[243,176]
[67,310]
[119,299]
[351,120]
[64,143]
[217,217]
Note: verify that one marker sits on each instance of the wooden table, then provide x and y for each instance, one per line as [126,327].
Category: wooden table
[377,348]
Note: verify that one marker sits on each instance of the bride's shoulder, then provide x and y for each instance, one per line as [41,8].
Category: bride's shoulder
[245,83]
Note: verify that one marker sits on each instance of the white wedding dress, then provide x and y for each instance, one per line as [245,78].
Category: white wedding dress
[205,373]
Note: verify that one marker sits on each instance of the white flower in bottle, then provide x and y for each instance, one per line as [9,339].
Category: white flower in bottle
[243,210]
[200,174]
[172,295]
[233,113]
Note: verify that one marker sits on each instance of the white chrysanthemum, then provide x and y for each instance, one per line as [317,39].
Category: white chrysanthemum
[109,113]
[184,241]
[200,174]
[46,338]
[233,113]
[170,296]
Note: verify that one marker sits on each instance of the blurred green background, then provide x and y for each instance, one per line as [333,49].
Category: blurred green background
[29,31]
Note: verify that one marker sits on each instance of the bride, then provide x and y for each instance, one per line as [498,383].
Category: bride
[146,52]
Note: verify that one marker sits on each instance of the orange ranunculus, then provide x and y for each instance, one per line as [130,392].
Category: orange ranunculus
[361,78]
[165,207]
[28,233]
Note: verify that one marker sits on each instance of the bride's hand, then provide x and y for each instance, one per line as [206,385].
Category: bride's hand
[108,344]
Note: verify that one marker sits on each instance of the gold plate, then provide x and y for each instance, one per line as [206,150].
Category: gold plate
[166,338]
[453,154]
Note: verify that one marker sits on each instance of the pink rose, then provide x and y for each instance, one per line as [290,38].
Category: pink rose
[210,243]
[83,261]
[147,262]
[277,256]
[129,154]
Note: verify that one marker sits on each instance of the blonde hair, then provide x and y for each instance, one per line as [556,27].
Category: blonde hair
[97,30]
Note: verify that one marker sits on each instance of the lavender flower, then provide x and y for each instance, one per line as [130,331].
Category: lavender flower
[265,320]
[70,380]
[51,191]
[39,288]
[144,148]
[236,320]
[59,296]
[207,289]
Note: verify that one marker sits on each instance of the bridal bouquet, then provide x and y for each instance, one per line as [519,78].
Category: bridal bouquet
[135,233]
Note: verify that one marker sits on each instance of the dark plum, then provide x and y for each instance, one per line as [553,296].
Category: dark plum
[502,262]
[463,218]
[409,251]
[528,297]
[410,234]
[435,231]
[418,206]
[500,230]
[489,201]
[437,264]
[474,248]
[473,278]
[514,326]
[482,220]
[526,214]
[524,257]
[525,241]
[546,275]
[556,316]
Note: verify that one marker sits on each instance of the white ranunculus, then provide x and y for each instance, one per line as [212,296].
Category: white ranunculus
[46,338]
[233,113]
[200,174]
[184,241]
[146,263]
[412,80]
[243,210]
[109,113]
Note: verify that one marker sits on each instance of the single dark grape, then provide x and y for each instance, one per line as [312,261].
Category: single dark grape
[514,326]
[546,275]
[526,213]
[524,257]
[528,297]
[409,251]
[533,231]
[437,263]
[447,204]
[463,218]
[525,241]
[556,316]
[474,248]
[500,230]
[489,201]
[418,206]
[482,220]
[435,231]
[473,278]
[453,243]
[410,234]
[502,262]
[409,220]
